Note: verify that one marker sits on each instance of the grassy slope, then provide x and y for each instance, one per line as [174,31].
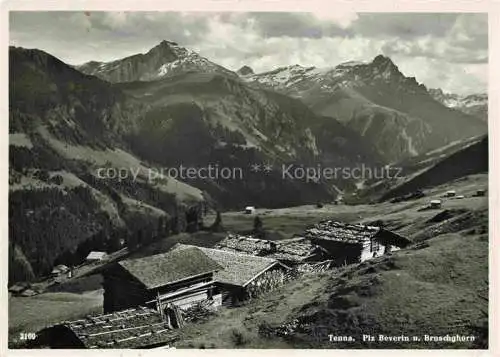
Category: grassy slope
[224,330]
[30,314]
[450,168]
[429,291]
[426,290]
[436,289]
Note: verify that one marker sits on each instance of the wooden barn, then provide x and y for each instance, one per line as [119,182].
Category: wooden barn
[181,277]
[131,328]
[350,243]
[242,276]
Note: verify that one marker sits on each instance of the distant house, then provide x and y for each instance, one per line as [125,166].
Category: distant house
[451,193]
[350,243]
[480,193]
[95,256]
[182,278]
[18,288]
[29,292]
[249,209]
[59,269]
[435,204]
[132,328]
[243,276]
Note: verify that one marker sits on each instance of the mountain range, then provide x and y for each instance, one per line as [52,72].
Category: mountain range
[390,110]
[171,107]
[472,104]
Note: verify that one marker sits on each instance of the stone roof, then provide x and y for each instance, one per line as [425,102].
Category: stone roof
[296,249]
[353,234]
[132,328]
[293,249]
[244,244]
[341,232]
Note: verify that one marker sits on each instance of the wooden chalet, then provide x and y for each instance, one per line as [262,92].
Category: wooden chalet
[352,243]
[181,277]
[132,328]
[242,275]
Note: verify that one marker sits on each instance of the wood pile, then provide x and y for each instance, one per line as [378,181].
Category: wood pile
[270,280]
[198,312]
[317,267]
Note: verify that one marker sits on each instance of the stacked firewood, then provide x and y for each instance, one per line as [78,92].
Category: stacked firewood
[266,282]
[198,312]
[316,268]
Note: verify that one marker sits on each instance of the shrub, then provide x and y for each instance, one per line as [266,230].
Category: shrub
[237,337]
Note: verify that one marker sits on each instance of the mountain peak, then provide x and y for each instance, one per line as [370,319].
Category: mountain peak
[385,65]
[167,43]
[381,59]
[166,59]
[245,71]
[164,47]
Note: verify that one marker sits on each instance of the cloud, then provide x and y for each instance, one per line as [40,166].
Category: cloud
[299,24]
[404,25]
[453,46]
[341,17]
[429,47]
[453,78]
[470,31]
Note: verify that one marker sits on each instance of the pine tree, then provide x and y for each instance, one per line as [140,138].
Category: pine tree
[258,227]
[217,225]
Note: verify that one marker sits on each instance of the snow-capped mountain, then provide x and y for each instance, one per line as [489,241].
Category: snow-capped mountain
[393,111]
[297,79]
[163,60]
[473,104]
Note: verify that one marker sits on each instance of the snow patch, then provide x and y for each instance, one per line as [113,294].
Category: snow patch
[409,141]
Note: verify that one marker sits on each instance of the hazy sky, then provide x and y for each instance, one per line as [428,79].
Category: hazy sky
[449,51]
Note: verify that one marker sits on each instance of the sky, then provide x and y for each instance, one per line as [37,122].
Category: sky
[442,50]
